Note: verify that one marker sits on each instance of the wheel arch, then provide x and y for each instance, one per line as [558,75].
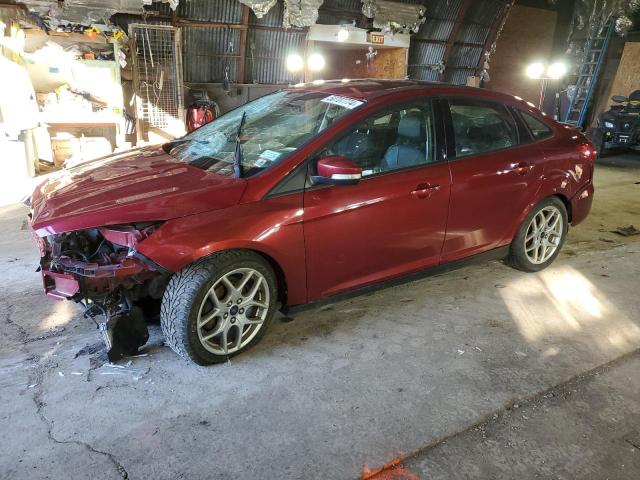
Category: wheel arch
[567,204]
[281,277]
[531,205]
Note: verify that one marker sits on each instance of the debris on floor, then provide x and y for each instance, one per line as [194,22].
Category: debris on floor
[90,349]
[126,370]
[391,471]
[627,231]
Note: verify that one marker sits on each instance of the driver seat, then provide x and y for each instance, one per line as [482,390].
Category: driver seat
[408,149]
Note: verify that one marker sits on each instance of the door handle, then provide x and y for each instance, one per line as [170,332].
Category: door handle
[425,190]
[522,168]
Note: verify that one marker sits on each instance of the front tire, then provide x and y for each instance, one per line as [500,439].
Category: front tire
[540,237]
[218,307]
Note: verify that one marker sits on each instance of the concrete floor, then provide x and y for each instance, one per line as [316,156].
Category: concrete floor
[484,372]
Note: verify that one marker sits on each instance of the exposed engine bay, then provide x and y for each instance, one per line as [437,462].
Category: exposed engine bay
[100,269]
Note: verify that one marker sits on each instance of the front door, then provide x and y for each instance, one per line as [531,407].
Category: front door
[393,221]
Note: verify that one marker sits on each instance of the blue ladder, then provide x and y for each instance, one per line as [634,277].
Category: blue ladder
[595,52]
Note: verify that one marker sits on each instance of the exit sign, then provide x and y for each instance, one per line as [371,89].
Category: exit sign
[377,38]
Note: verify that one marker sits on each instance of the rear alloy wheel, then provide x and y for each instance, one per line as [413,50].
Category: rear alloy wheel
[218,307]
[540,237]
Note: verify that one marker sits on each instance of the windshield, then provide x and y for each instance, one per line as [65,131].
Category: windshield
[274,127]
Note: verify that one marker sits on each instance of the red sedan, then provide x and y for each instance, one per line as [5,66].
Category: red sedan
[303,194]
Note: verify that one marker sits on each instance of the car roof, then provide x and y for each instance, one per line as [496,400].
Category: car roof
[370,88]
[363,89]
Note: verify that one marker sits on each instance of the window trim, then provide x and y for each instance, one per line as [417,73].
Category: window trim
[451,148]
[526,125]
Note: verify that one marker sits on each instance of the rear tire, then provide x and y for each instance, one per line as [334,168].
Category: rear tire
[218,307]
[540,237]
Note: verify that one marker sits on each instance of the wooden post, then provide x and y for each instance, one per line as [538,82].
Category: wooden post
[243,45]
[454,33]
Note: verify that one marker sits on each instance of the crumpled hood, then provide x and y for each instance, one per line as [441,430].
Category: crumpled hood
[138,186]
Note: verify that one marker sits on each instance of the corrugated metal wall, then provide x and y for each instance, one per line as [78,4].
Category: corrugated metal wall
[209,51]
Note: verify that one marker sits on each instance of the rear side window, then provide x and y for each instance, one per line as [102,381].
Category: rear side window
[480,127]
[539,129]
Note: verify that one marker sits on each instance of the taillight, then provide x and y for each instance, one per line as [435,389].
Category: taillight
[588,151]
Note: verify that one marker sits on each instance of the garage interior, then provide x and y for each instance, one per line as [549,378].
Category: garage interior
[484,372]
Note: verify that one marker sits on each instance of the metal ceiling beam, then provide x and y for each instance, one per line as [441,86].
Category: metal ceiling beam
[494,32]
[448,49]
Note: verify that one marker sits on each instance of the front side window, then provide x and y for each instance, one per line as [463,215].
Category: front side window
[539,130]
[480,127]
[392,140]
[273,127]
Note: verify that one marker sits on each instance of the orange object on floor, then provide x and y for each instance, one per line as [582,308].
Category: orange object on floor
[391,471]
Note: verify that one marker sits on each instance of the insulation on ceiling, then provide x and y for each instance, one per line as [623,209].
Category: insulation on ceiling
[88,11]
[300,13]
[396,17]
[297,13]
[259,7]
[369,8]
[595,14]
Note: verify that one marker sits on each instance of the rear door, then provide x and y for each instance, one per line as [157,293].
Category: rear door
[393,221]
[495,172]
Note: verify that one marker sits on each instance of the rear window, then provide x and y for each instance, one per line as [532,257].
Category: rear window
[539,129]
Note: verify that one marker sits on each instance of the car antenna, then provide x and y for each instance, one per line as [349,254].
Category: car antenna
[237,157]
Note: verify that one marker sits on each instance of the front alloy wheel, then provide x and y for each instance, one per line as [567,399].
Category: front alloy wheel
[219,306]
[233,311]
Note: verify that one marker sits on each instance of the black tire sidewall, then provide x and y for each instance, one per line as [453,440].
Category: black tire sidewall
[192,334]
[215,267]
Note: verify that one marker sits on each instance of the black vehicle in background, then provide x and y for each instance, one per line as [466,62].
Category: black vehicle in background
[619,127]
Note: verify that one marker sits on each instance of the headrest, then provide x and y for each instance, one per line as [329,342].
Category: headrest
[410,126]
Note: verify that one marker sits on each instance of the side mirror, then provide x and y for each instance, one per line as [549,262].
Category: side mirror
[619,99]
[337,170]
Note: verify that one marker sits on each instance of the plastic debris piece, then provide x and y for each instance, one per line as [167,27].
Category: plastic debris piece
[133,373]
[113,365]
[460,352]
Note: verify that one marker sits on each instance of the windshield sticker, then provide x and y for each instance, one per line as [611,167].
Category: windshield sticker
[270,155]
[345,102]
[266,157]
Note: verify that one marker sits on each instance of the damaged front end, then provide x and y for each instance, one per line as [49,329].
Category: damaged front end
[101,269]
